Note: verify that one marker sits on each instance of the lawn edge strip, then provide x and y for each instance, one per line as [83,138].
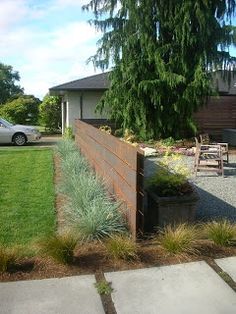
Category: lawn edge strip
[223,275]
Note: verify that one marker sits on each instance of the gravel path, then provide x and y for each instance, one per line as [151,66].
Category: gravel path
[217,194]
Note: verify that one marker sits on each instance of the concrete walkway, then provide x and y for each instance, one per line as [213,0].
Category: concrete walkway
[190,288]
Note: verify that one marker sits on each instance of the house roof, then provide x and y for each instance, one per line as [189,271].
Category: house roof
[101,82]
[94,82]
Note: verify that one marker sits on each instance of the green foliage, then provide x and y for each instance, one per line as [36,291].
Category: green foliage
[162,53]
[50,113]
[89,209]
[60,247]
[220,232]
[178,239]
[170,178]
[68,133]
[169,141]
[103,287]
[8,87]
[121,247]
[65,148]
[22,110]
[118,133]
[8,257]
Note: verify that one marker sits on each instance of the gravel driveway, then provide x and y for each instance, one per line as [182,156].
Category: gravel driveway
[217,194]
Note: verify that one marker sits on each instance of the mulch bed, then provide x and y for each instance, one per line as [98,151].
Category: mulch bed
[92,259]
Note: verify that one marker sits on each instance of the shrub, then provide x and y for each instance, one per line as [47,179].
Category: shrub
[60,247]
[220,232]
[50,112]
[170,178]
[121,247]
[178,239]
[169,141]
[8,257]
[22,110]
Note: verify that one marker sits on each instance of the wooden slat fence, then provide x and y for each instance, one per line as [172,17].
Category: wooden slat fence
[122,167]
[219,114]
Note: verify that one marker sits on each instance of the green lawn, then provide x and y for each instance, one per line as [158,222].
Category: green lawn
[26,195]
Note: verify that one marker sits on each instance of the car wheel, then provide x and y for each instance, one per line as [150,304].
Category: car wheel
[19,139]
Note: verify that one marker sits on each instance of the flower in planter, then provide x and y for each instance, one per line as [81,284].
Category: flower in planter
[171,177]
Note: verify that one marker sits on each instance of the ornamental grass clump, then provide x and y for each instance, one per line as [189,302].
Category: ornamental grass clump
[65,147]
[60,247]
[220,232]
[82,190]
[99,219]
[178,239]
[8,257]
[74,164]
[121,246]
[88,209]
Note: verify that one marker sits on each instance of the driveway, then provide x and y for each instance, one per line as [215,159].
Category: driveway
[45,141]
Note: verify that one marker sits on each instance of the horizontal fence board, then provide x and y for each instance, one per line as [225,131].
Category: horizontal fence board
[112,144]
[127,173]
[219,114]
[120,165]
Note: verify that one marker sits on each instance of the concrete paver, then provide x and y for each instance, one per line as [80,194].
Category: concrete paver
[178,289]
[228,264]
[70,295]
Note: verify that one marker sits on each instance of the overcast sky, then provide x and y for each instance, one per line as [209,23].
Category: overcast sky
[47,41]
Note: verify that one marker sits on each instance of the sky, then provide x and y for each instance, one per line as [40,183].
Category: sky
[47,41]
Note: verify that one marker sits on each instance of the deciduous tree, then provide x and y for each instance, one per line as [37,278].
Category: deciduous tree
[22,110]
[50,112]
[8,83]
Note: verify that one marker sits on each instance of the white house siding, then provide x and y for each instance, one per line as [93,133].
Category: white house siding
[73,101]
[90,100]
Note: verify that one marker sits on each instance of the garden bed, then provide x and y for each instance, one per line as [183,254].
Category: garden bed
[92,259]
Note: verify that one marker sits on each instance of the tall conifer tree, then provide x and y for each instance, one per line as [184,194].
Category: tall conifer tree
[162,53]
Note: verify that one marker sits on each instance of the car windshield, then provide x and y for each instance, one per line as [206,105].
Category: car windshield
[6,123]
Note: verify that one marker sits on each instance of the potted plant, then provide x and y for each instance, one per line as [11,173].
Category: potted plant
[172,199]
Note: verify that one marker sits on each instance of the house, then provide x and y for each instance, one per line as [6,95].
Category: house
[80,97]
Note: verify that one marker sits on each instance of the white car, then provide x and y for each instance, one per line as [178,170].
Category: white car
[17,134]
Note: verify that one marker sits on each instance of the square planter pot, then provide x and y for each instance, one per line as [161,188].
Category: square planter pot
[162,211]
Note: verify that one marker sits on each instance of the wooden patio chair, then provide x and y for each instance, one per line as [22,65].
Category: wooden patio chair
[208,158]
[205,140]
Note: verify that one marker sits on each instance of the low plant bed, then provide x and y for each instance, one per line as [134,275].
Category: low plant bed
[93,259]
[172,199]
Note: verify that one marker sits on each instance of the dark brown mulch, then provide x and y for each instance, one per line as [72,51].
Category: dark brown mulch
[92,259]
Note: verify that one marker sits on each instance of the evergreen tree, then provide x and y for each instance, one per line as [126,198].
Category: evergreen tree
[162,53]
